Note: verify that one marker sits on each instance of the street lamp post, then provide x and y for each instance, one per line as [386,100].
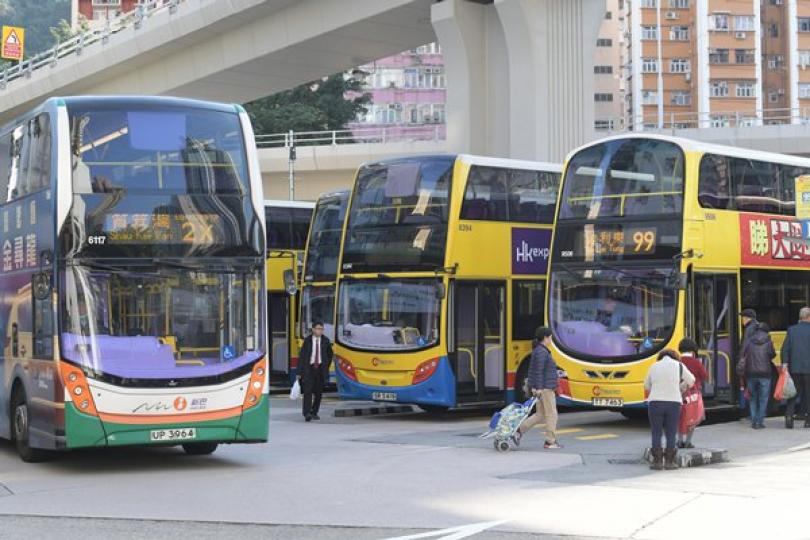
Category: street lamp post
[291,163]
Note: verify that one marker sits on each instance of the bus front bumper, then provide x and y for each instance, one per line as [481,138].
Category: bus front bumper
[439,389]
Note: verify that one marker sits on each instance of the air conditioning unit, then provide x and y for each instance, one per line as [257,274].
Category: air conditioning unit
[687,76]
[671,15]
[780,92]
[740,35]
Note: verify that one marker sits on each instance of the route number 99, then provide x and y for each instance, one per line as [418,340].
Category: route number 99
[643,241]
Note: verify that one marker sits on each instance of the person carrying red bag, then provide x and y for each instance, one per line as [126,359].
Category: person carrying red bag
[692,411]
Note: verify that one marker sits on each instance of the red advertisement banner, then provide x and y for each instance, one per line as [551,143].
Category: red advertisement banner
[772,241]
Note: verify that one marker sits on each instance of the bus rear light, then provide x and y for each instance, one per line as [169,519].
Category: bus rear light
[347,368]
[256,384]
[425,370]
[76,384]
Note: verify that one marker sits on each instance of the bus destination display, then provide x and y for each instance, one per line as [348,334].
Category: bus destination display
[615,243]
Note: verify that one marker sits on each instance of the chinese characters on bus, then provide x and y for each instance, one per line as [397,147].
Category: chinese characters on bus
[769,240]
[162,228]
[19,242]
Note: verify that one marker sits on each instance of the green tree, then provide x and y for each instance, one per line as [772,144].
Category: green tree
[326,104]
[37,17]
[63,31]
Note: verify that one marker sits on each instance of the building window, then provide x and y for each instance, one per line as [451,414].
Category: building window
[680,98]
[746,90]
[718,56]
[804,90]
[720,120]
[649,3]
[649,32]
[106,2]
[649,97]
[682,4]
[604,42]
[804,24]
[680,65]
[776,2]
[775,95]
[719,22]
[608,15]
[744,23]
[744,56]
[603,70]
[718,89]
[804,58]
[776,61]
[773,30]
[649,65]
[603,97]
[603,125]
[679,33]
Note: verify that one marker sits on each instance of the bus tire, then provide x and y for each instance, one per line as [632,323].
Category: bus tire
[434,409]
[200,448]
[521,381]
[20,418]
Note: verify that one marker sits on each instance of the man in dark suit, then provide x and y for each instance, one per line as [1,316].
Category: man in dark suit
[313,370]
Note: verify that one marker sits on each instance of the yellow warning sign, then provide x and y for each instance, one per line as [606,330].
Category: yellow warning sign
[13,44]
[803,197]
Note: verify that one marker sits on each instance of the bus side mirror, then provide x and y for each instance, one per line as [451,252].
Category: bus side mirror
[441,291]
[289,282]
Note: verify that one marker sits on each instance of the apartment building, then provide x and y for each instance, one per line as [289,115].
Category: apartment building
[715,63]
[608,75]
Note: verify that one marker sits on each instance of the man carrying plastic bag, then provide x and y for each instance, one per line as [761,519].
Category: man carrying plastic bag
[796,365]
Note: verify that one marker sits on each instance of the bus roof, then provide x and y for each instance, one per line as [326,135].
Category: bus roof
[279,203]
[471,159]
[134,101]
[691,145]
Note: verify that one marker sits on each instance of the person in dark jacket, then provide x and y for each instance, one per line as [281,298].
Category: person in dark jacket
[796,359]
[543,385]
[756,364]
[749,323]
[313,370]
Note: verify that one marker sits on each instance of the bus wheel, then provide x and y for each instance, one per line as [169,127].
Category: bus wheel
[200,448]
[521,382]
[433,409]
[20,422]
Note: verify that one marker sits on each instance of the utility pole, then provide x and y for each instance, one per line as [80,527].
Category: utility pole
[291,162]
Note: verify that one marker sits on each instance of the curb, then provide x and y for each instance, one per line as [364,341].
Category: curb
[696,457]
[373,410]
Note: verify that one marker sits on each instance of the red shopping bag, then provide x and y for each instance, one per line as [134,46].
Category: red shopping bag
[779,389]
[692,410]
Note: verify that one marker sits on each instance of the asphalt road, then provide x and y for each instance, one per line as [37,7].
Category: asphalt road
[413,476]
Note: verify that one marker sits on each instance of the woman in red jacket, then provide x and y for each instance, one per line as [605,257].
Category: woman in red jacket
[692,412]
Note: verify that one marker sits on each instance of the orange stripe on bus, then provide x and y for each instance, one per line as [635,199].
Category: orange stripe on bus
[169,418]
[510,379]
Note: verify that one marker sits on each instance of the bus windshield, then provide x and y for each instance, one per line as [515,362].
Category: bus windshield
[625,177]
[611,314]
[398,216]
[162,149]
[394,315]
[161,322]
[324,239]
[318,305]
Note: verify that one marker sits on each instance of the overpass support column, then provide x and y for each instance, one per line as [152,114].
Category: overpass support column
[477,71]
[550,48]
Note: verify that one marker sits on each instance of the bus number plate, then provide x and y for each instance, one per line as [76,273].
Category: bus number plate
[180,434]
[607,402]
[384,396]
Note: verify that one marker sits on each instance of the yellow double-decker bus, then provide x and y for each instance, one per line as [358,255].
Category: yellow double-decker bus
[442,279]
[287,229]
[321,265]
[659,238]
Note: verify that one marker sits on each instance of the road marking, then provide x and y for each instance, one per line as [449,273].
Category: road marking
[453,533]
[569,430]
[598,437]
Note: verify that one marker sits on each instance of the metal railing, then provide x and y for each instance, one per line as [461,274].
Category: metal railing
[77,44]
[386,134]
[719,119]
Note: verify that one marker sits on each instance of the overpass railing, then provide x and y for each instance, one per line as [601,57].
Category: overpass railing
[719,119]
[74,46]
[385,134]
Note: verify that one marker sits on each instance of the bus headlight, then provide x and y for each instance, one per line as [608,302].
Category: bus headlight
[256,384]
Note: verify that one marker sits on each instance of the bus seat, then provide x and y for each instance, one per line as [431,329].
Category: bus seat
[476,209]
[593,337]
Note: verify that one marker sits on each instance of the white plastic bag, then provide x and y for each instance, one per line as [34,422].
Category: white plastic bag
[790,388]
[295,392]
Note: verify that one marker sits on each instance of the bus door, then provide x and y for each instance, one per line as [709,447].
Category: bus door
[480,341]
[714,308]
[278,313]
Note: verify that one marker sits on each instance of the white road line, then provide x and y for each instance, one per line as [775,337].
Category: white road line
[453,533]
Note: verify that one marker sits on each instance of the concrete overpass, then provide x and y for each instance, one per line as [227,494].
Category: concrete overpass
[519,72]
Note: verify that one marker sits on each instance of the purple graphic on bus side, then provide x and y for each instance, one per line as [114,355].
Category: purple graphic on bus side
[530,250]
